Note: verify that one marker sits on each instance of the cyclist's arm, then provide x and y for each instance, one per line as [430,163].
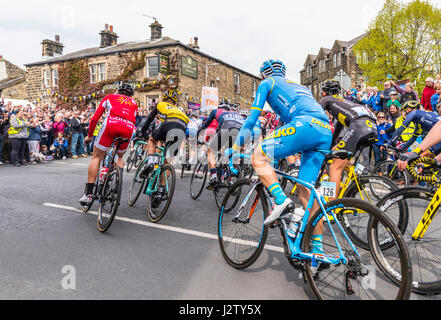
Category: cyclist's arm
[149,120]
[209,120]
[256,110]
[432,138]
[96,117]
[409,143]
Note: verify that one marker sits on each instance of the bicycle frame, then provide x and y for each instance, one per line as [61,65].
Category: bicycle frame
[428,216]
[294,246]
[155,180]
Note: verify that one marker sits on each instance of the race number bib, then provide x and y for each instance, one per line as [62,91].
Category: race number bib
[328,189]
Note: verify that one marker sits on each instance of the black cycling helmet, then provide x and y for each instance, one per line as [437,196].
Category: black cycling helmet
[171,94]
[331,87]
[126,89]
[411,105]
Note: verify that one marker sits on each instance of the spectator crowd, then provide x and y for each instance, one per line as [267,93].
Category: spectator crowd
[387,106]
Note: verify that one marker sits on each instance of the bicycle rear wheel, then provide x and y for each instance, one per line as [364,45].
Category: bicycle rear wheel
[109,199]
[157,207]
[224,184]
[198,180]
[406,208]
[136,187]
[241,232]
[362,276]
[131,160]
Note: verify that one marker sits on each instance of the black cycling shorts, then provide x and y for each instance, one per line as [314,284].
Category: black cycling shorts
[170,130]
[226,136]
[361,133]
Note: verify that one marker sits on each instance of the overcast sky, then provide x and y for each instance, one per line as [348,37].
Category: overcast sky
[243,33]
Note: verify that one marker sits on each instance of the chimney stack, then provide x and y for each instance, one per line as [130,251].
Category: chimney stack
[52,48]
[194,43]
[108,37]
[155,31]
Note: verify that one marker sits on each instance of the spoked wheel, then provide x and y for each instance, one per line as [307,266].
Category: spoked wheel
[360,275]
[389,169]
[131,160]
[371,189]
[406,207]
[157,203]
[198,180]
[136,187]
[241,231]
[220,191]
[109,199]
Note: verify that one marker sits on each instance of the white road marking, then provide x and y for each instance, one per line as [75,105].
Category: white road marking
[168,228]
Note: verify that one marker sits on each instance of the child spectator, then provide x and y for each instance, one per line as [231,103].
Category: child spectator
[436,98]
[382,126]
[60,145]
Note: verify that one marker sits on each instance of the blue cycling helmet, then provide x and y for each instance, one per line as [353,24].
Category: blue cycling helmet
[271,68]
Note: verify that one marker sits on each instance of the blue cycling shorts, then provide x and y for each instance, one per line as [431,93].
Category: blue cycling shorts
[304,134]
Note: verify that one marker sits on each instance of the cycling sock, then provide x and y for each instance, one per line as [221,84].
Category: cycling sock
[89,188]
[277,193]
[213,172]
[317,244]
[150,159]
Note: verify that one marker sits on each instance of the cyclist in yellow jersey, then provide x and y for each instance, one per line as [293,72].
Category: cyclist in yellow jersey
[172,127]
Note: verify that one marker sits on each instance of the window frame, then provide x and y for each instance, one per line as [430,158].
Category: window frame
[253,88]
[101,75]
[237,83]
[148,67]
[93,73]
[47,78]
[54,75]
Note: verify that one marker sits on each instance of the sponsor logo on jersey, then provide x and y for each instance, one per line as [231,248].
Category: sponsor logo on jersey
[321,124]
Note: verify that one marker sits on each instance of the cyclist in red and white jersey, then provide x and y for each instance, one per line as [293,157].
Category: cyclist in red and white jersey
[120,111]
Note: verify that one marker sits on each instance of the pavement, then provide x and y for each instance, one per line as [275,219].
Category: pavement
[51,250]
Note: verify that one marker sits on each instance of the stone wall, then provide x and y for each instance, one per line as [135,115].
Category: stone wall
[115,64]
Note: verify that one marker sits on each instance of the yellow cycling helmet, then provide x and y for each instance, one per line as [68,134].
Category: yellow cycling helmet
[410,106]
[171,94]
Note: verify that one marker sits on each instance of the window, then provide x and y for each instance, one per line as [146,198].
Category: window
[365,58]
[93,75]
[309,71]
[55,78]
[152,67]
[336,59]
[236,83]
[3,72]
[47,78]
[254,88]
[101,72]
[322,65]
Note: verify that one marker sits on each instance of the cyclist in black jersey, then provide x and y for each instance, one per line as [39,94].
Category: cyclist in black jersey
[355,126]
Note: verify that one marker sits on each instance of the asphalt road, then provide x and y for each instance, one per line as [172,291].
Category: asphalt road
[44,237]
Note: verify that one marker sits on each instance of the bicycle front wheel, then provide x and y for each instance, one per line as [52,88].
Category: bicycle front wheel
[406,207]
[109,199]
[241,232]
[157,203]
[198,180]
[131,160]
[389,169]
[359,276]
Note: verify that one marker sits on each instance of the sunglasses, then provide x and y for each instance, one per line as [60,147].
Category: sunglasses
[381,118]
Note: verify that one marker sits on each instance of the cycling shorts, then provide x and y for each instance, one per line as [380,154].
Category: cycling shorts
[360,134]
[304,134]
[169,130]
[112,128]
[225,136]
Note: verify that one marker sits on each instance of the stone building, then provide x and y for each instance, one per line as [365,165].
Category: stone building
[12,81]
[160,60]
[339,63]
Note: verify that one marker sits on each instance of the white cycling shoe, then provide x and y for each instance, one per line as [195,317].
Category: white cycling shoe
[280,210]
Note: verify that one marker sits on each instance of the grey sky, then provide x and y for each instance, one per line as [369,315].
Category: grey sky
[241,32]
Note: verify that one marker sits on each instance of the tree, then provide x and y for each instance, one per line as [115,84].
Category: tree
[401,42]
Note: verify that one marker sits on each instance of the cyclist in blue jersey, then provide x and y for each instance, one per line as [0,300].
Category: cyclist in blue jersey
[423,120]
[306,130]
[229,124]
